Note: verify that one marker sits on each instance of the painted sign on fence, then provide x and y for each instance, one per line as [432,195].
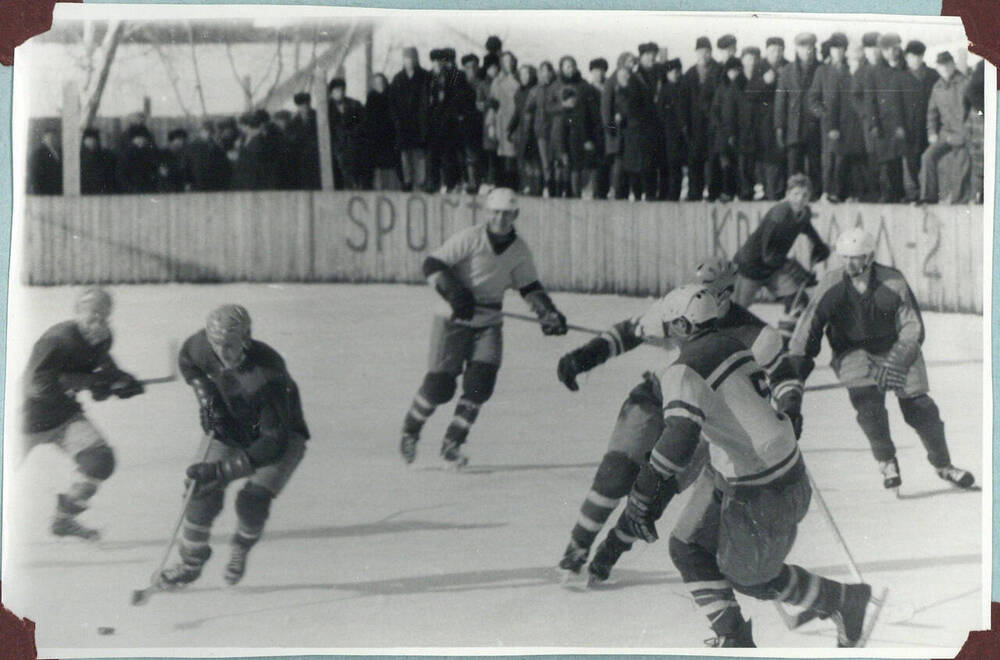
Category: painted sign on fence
[579,245]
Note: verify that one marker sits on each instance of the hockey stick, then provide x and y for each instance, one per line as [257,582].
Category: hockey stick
[142,596]
[652,341]
[172,361]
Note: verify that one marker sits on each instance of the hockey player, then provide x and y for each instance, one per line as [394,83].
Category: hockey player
[471,270]
[763,260]
[70,357]
[875,331]
[741,519]
[250,410]
[640,421]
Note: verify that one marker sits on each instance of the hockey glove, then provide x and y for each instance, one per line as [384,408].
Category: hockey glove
[568,371]
[218,474]
[649,497]
[552,320]
[788,400]
[820,253]
[887,376]
[463,304]
[212,414]
[126,386]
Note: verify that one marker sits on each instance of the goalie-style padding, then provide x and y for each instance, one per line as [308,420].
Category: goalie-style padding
[479,380]
[438,387]
[873,418]
[253,506]
[204,507]
[96,462]
[615,475]
[922,414]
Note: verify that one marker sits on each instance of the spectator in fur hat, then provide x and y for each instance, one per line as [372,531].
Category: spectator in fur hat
[748,139]
[727,47]
[502,110]
[492,58]
[670,104]
[448,100]
[521,131]
[173,170]
[303,144]
[761,90]
[97,165]
[884,107]
[45,175]
[945,129]
[254,168]
[409,100]
[796,129]
[139,162]
[916,98]
[477,95]
[597,173]
[641,130]
[380,136]
[700,82]
[347,137]
[613,100]
[208,165]
[728,106]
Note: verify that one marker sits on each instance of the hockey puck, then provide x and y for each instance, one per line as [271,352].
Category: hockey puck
[105,630]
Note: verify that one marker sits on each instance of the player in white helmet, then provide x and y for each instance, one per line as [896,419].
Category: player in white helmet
[875,330]
[471,271]
[741,518]
[640,421]
[70,357]
[250,410]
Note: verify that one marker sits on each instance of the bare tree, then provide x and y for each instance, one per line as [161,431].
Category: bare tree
[197,71]
[244,82]
[105,54]
[172,74]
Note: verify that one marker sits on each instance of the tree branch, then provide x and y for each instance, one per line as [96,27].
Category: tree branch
[247,92]
[197,72]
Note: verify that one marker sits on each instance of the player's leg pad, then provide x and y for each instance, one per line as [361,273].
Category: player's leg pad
[438,387]
[613,481]
[873,418]
[204,507]
[253,506]
[712,592]
[922,414]
[479,381]
[97,462]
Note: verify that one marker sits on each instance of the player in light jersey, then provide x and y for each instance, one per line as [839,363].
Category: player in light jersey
[742,516]
[640,421]
[472,270]
[70,357]
[875,331]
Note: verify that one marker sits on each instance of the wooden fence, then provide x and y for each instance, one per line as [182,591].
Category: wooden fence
[579,245]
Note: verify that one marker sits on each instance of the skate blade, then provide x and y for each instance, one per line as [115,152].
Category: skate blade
[573,581]
[792,620]
[869,625]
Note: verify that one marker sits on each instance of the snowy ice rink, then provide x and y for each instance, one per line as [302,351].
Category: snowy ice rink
[362,551]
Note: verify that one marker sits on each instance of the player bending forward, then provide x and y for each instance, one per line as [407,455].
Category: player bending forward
[763,260]
[471,270]
[875,331]
[640,421]
[250,409]
[70,357]
[740,522]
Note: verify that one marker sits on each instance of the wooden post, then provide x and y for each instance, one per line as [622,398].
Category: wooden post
[71,140]
[323,130]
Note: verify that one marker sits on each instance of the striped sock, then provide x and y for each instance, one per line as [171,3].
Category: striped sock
[418,413]
[717,601]
[194,547]
[594,513]
[466,413]
[797,586]
[246,537]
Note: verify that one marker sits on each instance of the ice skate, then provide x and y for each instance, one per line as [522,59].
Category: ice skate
[237,565]
[178,576]
[957,476]
[890,475]
[605,559]
[451,451]
[408,447]
[854,620]
[573,560]
[68,525]
[742,638]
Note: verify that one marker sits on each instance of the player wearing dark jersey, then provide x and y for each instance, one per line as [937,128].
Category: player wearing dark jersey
[250,410]
[763,260]
[70,357]
[875,330]
[472,270]
[640,421]
[741,518]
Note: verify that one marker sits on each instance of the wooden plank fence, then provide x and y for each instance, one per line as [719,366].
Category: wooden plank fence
[579,245]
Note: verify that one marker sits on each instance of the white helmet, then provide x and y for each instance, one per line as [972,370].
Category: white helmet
[691,302]
[855,242]
[501,199]
[716,273]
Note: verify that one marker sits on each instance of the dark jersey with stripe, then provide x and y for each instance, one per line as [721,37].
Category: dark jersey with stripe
[259,395]
[766,250]
[62,350]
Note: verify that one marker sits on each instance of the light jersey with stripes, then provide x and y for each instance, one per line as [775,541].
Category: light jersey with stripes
[485,273]
[718,387]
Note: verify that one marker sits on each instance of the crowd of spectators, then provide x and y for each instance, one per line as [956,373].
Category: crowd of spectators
[734,125]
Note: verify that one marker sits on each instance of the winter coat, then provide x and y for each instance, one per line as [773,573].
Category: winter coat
[699,95]
[209,167]
[138,169]
[447,105]
[474,95]
[173,171]
[946,110]
[482,89]
[304,143]
[44,172]
[521,130]
[886,111]
[541,106]
[505,86]
[347,136]
[916,98]
[791,115]
[640,126]
[572,129]
[590,96]
[861,85]
[409,99]
[729,107]
[380,133]
[612,104]
[255,168]
[97,171]
[670,107]
[760,99]
[830,101]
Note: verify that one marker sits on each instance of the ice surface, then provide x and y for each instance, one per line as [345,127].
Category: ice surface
[362,551]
